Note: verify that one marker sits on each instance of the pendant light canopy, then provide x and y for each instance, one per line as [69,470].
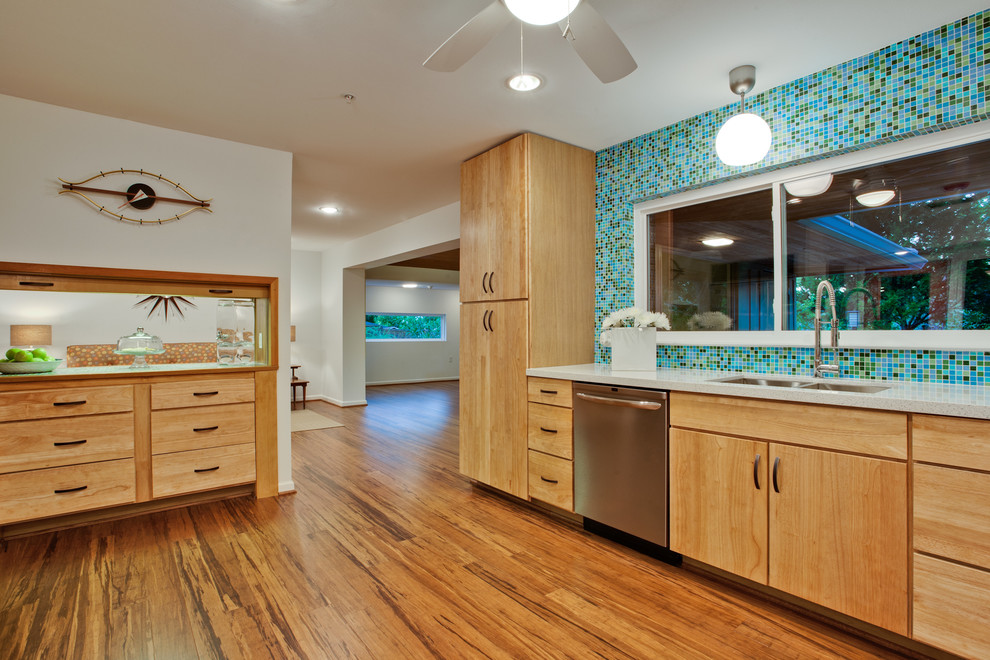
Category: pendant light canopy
[541,12]
[745,138]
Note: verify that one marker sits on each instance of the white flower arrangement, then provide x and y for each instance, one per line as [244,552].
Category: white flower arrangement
[632,317]
[709,321]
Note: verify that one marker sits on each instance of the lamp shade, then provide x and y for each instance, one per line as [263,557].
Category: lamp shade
[743,140]
[30,335]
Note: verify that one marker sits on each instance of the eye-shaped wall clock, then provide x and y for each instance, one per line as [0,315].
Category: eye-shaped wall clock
[139,196]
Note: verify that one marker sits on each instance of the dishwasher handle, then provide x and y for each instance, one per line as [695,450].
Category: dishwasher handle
[608,401]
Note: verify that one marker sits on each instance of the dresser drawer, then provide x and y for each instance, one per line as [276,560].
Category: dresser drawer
[46,443]
[952,513]
[870,432]
[551,480]
[65,402]
[952,606]
[551,430]
[951,441]
[184,429]
[189,393]
[202,469]
[62,490]
[550,391]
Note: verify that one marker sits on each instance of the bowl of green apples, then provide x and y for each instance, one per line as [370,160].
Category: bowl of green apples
[28,361]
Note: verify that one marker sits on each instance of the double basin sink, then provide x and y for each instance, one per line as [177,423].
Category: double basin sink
[772,381]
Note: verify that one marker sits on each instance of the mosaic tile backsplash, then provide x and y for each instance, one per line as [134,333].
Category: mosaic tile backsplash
[925,84]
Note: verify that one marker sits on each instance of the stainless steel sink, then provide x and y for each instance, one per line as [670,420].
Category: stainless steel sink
[760,381]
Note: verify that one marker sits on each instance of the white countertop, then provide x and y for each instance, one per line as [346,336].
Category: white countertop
[905,396]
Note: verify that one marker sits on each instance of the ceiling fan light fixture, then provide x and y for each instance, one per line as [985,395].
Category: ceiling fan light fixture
[745,138]
[541,12]
[809,186]
[873,198]
[524,82]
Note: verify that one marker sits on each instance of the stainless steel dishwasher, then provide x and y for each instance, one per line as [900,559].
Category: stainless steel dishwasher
[620,459]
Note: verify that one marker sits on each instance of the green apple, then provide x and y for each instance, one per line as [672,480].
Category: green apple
[11,352]
[40,353]
[23,356]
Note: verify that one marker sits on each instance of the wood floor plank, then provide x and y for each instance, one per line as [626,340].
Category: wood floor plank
[385,551]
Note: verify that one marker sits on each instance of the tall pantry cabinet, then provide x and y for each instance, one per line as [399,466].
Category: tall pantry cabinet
[527,292]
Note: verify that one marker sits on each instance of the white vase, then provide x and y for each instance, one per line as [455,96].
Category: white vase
[633,349]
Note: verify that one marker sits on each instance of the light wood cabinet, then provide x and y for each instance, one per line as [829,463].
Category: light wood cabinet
[527,284]
[818,522]
[952,533]
[551,442]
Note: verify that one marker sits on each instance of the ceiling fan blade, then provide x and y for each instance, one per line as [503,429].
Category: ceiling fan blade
[472,37]
[598,45]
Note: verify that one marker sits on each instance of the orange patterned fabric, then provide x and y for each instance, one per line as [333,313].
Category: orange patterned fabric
[102,355]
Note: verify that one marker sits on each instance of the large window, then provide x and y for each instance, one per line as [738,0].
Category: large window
[905,243]
[405,327]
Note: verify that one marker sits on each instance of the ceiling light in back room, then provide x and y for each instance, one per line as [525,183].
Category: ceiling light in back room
[330,210]
[718,241]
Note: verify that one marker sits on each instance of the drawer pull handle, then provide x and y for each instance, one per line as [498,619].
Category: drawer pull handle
[548,391]
[206,393]
[484,282]
[36,283]
[776,463]
[212,469]
[756,472]
[69,403]
[221,290]
[206,428]
[59,491]
[549,481]
[67,443]
[545,429]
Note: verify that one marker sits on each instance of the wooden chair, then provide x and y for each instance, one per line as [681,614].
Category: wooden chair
[296,384]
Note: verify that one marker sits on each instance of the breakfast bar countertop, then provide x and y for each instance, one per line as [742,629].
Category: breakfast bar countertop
[905,396]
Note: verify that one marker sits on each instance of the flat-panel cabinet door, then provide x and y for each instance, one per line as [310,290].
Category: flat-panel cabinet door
[838,532]
[493,439]
[718,501]
[494,207]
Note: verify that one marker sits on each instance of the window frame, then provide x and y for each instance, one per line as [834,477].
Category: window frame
[926,339]
[379,340]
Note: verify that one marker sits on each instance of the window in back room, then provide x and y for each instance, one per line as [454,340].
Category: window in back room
[405,327]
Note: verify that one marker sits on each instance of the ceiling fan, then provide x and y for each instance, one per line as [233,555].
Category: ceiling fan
[595,42]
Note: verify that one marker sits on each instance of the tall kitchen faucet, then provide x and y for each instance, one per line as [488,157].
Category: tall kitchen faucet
[822,369]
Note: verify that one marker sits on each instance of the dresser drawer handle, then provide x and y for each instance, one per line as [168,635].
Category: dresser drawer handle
[206,428]
[67,443]
[549,481]
[214,392]
[221,290]
[545,429]
[212,469]
[548,391]
[36,283]
[69,403]
[59,491]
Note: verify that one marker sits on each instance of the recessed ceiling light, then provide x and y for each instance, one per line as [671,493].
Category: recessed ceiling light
[718,242]
[410,285]
[330,210]
[524,82]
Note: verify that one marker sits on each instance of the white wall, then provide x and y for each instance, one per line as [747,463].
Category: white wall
[247,234]
[344,292]
[307,295]
[413,361]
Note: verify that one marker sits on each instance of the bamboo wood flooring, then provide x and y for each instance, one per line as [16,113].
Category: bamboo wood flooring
[384,552]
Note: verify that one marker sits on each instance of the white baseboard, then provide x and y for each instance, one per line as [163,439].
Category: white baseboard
[414,380]
[286,487]
[337,402]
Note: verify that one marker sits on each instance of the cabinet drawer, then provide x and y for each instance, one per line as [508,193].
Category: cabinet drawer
[550,391]
[184,429]
[952,606]
[65,402]
[952,513]
[202,469]
[46,443]
[189,393]
[551,430]
[551,480]
[35,494]
[951,441]
[873,432]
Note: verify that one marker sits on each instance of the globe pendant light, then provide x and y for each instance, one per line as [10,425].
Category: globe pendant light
[745,138]
[541,12]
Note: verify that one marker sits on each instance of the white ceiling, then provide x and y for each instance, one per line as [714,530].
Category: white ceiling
[274,73]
